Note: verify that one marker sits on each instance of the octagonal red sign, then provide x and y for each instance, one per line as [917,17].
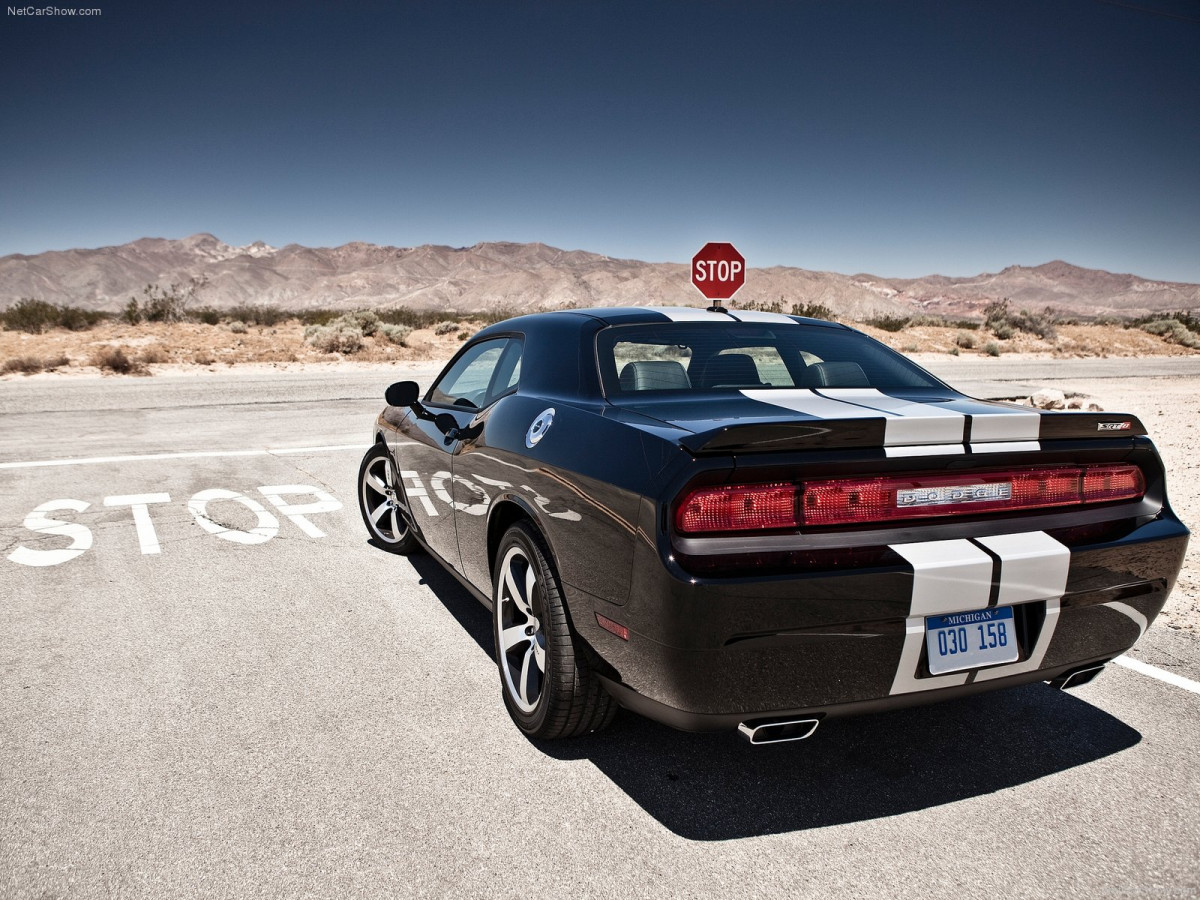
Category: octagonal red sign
[718,270]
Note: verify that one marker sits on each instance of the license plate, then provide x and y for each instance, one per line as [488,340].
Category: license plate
[968,640]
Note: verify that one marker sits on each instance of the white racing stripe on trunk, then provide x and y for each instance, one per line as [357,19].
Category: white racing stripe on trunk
[990,422]
[812,404]
[1033,566]
[1006,447]
[915,423]
[926,450]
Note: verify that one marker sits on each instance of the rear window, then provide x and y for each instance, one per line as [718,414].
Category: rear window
[719,356]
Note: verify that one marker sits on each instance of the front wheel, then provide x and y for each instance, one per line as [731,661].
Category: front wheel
[546,672]
[382,503]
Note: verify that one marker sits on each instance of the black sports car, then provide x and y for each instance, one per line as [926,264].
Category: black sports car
[751,520]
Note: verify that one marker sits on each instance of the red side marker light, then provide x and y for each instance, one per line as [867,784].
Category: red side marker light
[613,627]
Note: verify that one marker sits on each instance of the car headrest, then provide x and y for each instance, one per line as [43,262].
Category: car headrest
[654,375]
[838,373]
[731,370]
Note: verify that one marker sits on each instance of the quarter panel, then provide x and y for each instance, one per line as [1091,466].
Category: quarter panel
[583,477]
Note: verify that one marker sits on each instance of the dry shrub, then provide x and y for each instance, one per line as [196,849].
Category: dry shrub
[397,334]
[114,359]
[445,328]
[153,354]
[203,358]
[334,337]
[27,364]
[57,362]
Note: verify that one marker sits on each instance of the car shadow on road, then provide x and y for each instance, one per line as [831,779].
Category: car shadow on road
[715,787]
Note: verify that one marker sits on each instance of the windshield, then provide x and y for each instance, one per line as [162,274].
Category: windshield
[720,356]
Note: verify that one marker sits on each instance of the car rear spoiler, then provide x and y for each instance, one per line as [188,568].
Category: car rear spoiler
[824,434]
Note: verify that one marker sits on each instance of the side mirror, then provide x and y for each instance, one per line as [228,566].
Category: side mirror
[403,393]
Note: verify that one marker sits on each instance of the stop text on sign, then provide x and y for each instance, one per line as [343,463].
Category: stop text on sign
[718,270]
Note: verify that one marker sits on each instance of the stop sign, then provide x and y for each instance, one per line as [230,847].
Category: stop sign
[718,270]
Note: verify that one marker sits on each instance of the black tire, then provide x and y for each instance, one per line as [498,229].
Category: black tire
[382,503]
[565,698]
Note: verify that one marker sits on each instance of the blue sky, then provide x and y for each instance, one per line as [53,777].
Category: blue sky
[897,138]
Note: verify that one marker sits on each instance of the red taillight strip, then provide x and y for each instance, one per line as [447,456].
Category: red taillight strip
[853,501]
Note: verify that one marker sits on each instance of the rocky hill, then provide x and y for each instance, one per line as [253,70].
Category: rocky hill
[525,277]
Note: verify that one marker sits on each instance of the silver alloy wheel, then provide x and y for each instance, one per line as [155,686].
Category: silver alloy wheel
[522,638]
[383,503]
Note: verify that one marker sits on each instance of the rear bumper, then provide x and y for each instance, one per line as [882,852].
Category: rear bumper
[706,654]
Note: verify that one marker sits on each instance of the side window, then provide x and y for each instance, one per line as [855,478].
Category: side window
[480,375]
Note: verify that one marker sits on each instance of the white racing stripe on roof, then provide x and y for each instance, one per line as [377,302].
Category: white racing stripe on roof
[915,423]
[752,315]
[687,314]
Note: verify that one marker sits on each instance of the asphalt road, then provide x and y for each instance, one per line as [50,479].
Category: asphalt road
[297,713]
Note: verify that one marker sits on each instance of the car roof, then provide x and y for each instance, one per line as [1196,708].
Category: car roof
[561,341]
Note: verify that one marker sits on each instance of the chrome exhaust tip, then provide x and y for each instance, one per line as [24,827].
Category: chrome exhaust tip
[1076,677]
[776,731]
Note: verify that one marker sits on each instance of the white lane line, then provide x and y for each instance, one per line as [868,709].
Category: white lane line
[195,454]
[1161,674]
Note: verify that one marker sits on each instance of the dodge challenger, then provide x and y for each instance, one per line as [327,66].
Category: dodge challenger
[754,521]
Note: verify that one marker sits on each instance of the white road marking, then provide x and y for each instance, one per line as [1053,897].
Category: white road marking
[1161,674]
[193,454]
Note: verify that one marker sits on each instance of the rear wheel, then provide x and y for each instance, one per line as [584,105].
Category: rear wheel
[382,503]
[546,672]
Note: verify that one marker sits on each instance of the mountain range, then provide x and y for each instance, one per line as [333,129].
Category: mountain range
[527,277]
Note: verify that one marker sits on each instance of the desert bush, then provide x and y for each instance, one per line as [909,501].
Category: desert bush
[30,315]
[57,362]
[317,316]
[965,340]
[1004,323]
[1174,331]
[206,315]
[26,364]
[991,348]
[397,334]
[365,320]
[891,324]
[159,304]
[462,335]
[35,316]
[1003,330]
[445,328]
[153,354]
[114,359]
[203,358]
[953,351]
[964,324]
[258,314]
[335,337]
[237,326]
[813,311]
